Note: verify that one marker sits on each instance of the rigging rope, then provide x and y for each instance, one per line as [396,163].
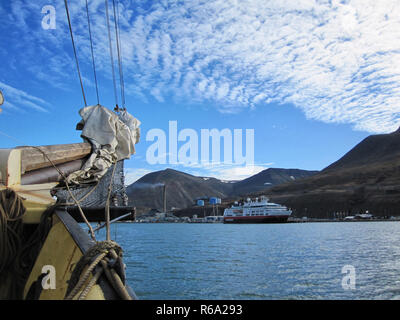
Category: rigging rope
[117,37]
[73,45]
[107,208]
[111,54]
[119,52]
[91,49]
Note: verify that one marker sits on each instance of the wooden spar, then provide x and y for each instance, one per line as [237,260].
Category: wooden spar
[50,174]
[33,159]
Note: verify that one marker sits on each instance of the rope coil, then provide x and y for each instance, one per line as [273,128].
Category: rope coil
[99,256]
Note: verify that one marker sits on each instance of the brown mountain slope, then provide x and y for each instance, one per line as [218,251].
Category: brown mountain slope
[268,178]
[366,178]
[183,188]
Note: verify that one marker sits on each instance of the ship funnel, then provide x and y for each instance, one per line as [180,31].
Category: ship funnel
[165,198]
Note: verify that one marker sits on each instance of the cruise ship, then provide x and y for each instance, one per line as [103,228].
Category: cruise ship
[258,211]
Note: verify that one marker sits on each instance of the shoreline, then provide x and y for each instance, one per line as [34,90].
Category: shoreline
[292,221]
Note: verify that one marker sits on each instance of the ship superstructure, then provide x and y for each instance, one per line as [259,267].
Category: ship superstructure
[257,211]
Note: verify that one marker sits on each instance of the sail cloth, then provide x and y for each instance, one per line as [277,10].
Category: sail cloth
[113,138]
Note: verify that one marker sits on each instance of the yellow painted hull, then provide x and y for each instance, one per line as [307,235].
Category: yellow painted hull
[61,251]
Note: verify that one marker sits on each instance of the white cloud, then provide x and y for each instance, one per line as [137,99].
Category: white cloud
[335,60]
[232,172]
[224,171]
[134,174]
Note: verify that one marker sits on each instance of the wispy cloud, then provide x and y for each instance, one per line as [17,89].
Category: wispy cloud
[236,173]
[335,60]
[19,100]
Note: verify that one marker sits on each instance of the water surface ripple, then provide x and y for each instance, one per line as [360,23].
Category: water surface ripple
[260,261]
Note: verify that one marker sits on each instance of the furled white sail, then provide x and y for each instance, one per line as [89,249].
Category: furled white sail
[113,138]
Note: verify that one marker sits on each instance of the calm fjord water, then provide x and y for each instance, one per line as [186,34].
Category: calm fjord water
[263,261]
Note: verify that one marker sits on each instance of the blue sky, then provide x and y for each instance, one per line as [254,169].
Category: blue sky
[312,78]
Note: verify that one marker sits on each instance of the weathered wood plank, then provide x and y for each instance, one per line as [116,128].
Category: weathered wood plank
[32,159]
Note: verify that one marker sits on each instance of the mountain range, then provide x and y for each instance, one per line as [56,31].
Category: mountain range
[182,189]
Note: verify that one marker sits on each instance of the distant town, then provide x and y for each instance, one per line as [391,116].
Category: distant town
[211,210]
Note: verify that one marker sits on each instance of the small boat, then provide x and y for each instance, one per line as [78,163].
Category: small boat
[213,219]
[258,211]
